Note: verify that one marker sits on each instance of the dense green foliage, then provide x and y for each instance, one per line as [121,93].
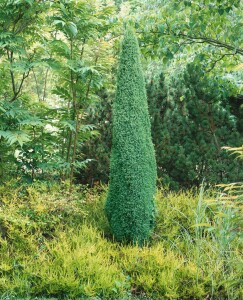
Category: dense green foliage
[210,27]
[130,205]
[193,115]
[99,147]
[57,66]
[57,246]
[51,69]
[192,119]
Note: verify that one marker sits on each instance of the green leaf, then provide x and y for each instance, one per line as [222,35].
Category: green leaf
[169,55]
[15,137]
[2,109]
[72,29]
[62,92]
[68,124]
[53,63]
[82,164]
[87,127]
[60,47]
[89,70]
[34,121]
[161,28]
[59,22]
[21,66]
[221,11]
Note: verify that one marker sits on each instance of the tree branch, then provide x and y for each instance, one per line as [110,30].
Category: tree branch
[217,43]
[10,58]
[24,76]
[217,60]
[200,40]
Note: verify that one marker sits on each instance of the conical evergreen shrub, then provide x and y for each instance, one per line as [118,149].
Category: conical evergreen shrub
[130,205]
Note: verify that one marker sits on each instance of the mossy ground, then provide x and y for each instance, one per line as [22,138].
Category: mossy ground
[58,245]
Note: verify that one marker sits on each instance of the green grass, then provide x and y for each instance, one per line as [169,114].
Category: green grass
[58,245]
[68,298]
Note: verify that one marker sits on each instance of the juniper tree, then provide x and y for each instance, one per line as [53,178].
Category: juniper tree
[130,205]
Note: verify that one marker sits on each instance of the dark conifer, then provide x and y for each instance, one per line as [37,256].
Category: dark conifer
[130,204]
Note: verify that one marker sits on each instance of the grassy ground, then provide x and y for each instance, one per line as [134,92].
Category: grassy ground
[58,245]
[9,297]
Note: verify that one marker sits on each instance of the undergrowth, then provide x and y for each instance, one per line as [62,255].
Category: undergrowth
[53,244]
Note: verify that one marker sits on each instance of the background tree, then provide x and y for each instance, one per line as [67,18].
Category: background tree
[130,204]
[21,31]
[57,64]
[192,119]
[99,147]
[53,58]
[209,27]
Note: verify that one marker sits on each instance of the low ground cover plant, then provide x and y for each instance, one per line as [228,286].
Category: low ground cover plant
[56,245]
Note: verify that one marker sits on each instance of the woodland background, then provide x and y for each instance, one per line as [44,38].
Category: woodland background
[58,75]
